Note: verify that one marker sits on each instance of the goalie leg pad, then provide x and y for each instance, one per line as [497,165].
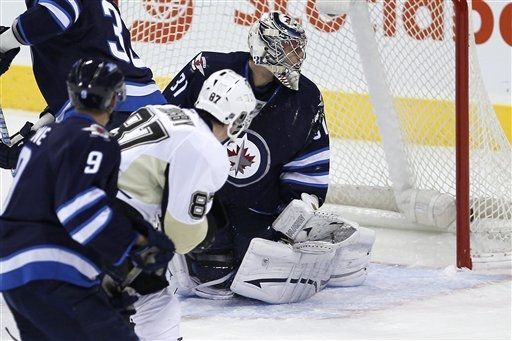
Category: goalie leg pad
[352,259]
[157,316]
[275,272]
[180,280]
[187,285]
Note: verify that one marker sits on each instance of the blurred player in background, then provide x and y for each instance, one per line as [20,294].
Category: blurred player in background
[172,163]
[283,155]
[59,235]
[60,32]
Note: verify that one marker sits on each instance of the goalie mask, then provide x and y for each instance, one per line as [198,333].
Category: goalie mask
[228,97]
[278,43]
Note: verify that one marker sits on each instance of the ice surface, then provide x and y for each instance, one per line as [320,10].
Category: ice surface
[427,299]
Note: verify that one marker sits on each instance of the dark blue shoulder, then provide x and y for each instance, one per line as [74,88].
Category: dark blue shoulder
[308,87]
[81,133]
[209,62]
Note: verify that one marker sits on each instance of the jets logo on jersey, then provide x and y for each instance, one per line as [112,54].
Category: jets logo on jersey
[97,130]
[249,157]
[199,63]
[240,158]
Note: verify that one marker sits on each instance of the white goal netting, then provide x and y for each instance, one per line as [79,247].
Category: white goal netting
[387,74]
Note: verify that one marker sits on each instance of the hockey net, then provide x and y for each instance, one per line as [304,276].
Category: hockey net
[387,72]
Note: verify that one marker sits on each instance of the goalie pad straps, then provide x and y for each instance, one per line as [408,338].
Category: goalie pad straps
[275,272]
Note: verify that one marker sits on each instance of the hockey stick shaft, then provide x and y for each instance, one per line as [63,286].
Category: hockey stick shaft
[6,139]
[4,134]
[44,120]
[132,275]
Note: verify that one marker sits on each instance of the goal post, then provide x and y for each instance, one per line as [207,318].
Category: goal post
[461,38]
[415,142]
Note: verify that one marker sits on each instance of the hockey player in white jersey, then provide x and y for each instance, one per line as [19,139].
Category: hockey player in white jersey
[172,163]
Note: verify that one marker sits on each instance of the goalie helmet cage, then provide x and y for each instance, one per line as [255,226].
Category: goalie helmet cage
[414,137]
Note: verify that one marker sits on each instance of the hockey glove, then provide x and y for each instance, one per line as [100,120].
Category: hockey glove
[121,298]
[9,155]
[6,57]
[155,255]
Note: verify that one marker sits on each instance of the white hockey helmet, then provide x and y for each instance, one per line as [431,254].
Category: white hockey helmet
[278,42]
[228,97]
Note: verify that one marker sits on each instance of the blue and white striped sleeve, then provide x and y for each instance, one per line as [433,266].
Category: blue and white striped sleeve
[85,215]
[85,195]
[308,171]
[45,19]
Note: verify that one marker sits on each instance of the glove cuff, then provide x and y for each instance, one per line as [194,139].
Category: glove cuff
[8,41]
[26,130]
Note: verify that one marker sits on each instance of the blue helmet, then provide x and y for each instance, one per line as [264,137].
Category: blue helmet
[92,84]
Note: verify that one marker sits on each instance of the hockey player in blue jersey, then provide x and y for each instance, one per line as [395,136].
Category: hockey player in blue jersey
[284,156]
[60,229]
[60,32]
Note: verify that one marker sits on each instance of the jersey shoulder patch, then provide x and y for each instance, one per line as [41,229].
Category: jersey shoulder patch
[96,130]
[198,63]
[207,62]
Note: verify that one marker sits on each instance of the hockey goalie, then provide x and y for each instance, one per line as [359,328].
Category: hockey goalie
[276,247]
[317,249]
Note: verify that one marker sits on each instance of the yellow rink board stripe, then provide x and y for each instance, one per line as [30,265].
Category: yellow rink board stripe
[19,90]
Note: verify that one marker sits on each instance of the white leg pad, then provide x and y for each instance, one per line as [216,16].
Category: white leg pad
[276,273]
[181,281]
[158,316]
[186,285]
[352,259]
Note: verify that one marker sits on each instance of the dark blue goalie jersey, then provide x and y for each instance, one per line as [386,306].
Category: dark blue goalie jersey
[284,153]
[59,220]
[61,32]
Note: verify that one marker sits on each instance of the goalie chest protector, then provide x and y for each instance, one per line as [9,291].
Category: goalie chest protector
[289,125]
